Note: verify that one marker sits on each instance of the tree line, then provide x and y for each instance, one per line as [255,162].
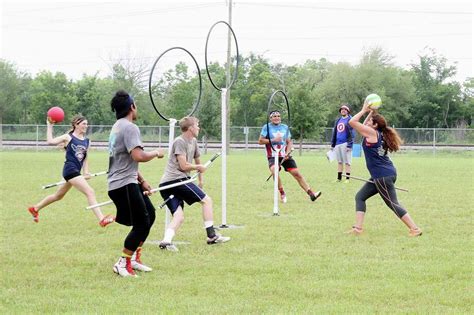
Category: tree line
[423,96]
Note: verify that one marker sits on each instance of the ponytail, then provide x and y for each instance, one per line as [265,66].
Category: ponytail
[392,140]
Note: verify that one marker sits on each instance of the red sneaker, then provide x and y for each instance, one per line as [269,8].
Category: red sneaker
[107,220]
[34,213]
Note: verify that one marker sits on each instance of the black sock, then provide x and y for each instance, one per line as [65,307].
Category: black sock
[348,174]
[210,232]
[339,175]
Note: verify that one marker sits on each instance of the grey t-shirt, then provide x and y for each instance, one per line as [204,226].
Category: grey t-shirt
[180,146]
[123,170]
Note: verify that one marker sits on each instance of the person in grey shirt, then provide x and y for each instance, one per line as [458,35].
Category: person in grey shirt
[126,186]
[180,163]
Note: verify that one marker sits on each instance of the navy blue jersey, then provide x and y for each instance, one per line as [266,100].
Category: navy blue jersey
[76,153]
[376,158]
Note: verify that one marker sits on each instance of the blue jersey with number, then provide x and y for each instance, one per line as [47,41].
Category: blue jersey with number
[377,160]
[76,153]
[275,131]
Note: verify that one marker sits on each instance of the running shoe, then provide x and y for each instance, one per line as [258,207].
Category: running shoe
[34,213]
[123,267]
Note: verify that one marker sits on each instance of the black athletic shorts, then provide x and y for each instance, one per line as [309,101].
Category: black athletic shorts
[189,193]
[289,164]
[132,206]
[71,176]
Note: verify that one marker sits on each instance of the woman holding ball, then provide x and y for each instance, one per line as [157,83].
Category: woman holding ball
[379,139]
[76,145]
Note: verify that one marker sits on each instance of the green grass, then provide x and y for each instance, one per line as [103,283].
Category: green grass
[300,262]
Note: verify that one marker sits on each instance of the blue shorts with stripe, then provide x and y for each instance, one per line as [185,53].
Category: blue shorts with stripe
[189,193]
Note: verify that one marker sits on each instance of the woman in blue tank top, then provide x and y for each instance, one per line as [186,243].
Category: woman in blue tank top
[379,139]
[76,145]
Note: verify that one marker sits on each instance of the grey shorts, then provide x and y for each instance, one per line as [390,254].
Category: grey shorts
[342,154]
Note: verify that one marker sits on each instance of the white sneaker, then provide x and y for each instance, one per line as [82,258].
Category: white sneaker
[140,267]
[217,239]
[137,262]
[123,267]
[168,246]
[283,198]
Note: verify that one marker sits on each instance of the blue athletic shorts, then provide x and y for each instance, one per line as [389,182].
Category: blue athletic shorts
[189,193]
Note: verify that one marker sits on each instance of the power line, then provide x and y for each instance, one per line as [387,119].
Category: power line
[114,15]
[315,7]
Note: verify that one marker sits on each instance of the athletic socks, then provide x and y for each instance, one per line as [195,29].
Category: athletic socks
[209,225]
[339,175]
[169,234]
[125,255]
[348,174]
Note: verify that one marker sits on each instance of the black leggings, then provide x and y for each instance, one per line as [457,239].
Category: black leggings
[385,186]
[136,210]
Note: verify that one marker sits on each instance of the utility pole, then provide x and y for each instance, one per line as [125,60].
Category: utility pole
[229,37]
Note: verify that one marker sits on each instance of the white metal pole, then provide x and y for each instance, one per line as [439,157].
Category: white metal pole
[276,165]
[170,143]
[224,156]
[171,135]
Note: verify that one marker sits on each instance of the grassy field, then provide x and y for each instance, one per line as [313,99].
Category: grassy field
[300,262]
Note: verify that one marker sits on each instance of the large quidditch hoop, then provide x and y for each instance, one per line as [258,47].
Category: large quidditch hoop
[269,110]
[196,104]
[234,77]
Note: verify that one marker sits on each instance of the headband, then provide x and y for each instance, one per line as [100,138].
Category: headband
[273,112]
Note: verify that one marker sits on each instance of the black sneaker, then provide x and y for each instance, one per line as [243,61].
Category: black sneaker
[315,196]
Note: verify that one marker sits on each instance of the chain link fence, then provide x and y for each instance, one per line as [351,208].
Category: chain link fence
[246,138]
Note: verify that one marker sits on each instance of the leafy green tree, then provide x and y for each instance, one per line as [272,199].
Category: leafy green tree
[48,90]
[14,93]
[438,97]
[253,88]
[308,114]
[93,99]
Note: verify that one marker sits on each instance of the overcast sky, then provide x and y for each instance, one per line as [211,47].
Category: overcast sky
[79,37]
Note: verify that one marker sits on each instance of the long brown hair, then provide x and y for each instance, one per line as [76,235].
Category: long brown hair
[77,119]
[392,140]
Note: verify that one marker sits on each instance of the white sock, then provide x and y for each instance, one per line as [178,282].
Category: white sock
[169,234]
[208,224]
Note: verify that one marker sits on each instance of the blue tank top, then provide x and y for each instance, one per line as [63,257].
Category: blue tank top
[76,153]
[281,129]
[377,160]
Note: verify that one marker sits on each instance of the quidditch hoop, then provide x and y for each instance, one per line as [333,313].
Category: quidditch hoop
[151,76]
[234,78]
[269,110]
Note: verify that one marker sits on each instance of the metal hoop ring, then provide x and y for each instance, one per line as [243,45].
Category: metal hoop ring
[195,106]
[238,57]
[270,101]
